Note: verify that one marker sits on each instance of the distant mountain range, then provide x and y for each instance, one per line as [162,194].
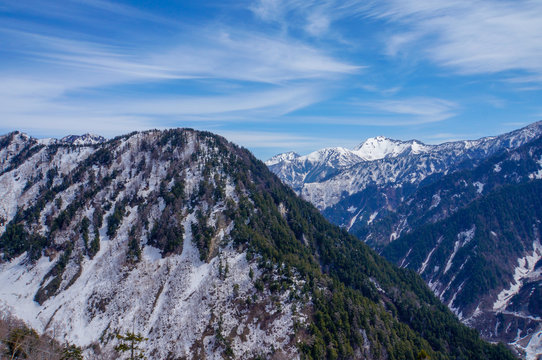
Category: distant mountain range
[330,177]
[85,139]
[465,215]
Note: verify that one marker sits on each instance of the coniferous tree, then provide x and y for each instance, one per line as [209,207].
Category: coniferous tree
[130,343]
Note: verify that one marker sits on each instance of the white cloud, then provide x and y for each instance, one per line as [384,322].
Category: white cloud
[213,54]
[273,102]
[468,36]
[471,37]
[315,17]
[416,110]
[265,76]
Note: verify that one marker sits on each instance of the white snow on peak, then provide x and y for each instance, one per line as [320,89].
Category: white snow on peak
[47,141]
[380,147]
[85,139]
[339,153]
[287,156]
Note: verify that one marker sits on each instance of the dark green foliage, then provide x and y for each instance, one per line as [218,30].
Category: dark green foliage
[30,149]
[352,288]
[176,192]
[16,240]
[45,292]
[72,352]
[98,217]
[509,212]
[7,139]
[134,250]
[84,231]
[51,174]
[20,343]
[94,246]
[203,235]
[167,236]
[115,219]
[101,156]
[129,343]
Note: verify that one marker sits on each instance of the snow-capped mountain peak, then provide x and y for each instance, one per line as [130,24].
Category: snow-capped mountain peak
[85,139]
[380,147]
[336,155]
[287,156]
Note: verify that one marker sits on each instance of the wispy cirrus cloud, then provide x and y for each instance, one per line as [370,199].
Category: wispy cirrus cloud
[418,106]
[214,54]
[470,37]
[467,36]
[221,74]
[291,68]
[315,17]
[415,110]
[284,140]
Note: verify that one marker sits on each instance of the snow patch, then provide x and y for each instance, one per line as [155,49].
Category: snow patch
[372,217]
[479,186]
[151,254]
[426,261]
[353,220]
[435,201]
[463,238]
[380,147]
[522,272]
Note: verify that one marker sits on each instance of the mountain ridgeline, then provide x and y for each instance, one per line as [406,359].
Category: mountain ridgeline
[190,241]
[466,216]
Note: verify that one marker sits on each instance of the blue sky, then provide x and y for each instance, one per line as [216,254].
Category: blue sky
[272,75]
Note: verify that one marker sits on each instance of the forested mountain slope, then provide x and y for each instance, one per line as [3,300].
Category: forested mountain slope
[192,242]
[484,263]
[470,226]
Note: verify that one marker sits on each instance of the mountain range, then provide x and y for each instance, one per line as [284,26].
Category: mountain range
[465,215]
[191,242]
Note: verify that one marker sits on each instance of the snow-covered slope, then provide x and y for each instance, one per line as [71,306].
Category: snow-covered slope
[86,295]
[316,166]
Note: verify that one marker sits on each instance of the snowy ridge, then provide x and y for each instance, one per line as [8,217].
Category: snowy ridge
[179,300]
[85,139]
[380,147]
[288,156]
[390,165]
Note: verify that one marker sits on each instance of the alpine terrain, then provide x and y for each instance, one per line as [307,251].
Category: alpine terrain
[190,242]
[465,215]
